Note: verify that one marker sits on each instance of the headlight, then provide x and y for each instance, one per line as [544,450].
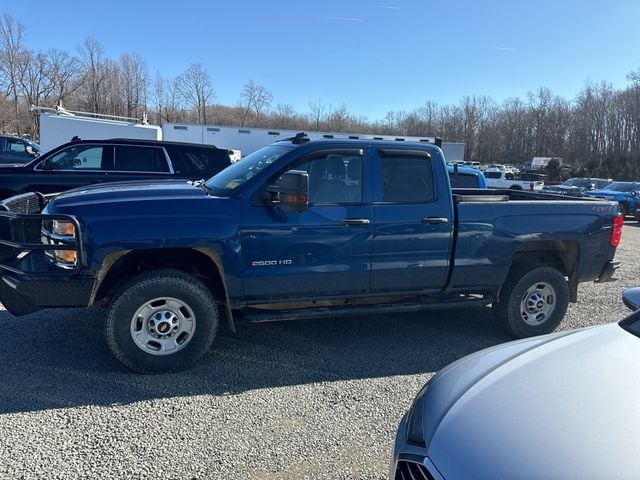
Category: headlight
[61,232]
[415,423]
[64,229]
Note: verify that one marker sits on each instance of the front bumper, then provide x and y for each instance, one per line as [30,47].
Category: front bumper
[410,461]
[23,295]
[28,280]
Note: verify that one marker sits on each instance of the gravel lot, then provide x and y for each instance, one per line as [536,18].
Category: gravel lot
[307,399]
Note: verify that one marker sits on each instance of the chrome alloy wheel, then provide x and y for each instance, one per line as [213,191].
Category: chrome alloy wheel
[163,326]
[537,304]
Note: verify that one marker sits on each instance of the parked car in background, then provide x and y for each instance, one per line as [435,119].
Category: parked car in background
[575,187]
[15,150]
[506,179]
[562,406]
[85,162]
[471,164]
[466,177]
[627,194]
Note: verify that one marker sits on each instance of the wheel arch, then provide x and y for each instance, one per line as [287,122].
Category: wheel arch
[562,255]
[203,263]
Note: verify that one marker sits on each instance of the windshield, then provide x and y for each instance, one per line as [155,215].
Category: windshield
[577,182]
[493,174]
[620,186]
[223,183]
[34,145]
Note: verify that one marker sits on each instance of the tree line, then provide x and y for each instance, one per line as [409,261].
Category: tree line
[597,132]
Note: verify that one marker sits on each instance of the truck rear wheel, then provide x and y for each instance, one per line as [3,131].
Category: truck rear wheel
[533,300]
[161,321]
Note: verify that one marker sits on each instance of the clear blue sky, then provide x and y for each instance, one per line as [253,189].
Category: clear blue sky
[373,56]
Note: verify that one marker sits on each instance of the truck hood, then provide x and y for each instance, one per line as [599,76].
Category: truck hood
[553,407]
[564,188]
[608,193]
[130,191]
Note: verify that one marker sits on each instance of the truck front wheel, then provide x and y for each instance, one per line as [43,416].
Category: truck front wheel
[624,209]
[161,321]
[533,301]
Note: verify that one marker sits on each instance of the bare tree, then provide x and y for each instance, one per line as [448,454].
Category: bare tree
[254,98]
[318,112]
[134,81]
[65,71]
[166,94]
[196,90]
[12,56]
[95,74]
[36,83]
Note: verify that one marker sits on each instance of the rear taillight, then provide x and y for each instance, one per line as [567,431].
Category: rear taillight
[616,231]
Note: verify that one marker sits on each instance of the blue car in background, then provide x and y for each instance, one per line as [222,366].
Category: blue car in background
[627,194]
[466,177]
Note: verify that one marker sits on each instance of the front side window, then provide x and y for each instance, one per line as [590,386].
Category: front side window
[140,159]
[77,157]
[16,146]
[407,179]
[334,178]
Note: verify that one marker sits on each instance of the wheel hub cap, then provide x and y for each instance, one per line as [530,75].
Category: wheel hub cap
[538,304]
[163,326]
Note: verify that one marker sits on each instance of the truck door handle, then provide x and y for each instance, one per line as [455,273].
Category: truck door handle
[355,221]
[435,220]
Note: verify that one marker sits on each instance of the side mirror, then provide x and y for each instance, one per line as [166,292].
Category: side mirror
[290,193]
[631,298]
[29,149]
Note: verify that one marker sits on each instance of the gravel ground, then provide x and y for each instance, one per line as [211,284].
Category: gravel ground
[307,399]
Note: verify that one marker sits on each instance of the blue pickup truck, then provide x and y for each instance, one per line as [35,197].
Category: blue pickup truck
[299,229]
[627,194]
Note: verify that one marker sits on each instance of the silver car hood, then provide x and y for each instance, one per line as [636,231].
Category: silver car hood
[559,406]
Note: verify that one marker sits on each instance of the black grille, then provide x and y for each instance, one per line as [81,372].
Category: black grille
[24,204]
[412,471]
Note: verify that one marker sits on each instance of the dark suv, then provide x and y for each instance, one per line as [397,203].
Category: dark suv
[17,150]
[84,162]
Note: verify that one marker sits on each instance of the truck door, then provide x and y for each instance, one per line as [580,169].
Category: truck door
[322,252]
[413,223]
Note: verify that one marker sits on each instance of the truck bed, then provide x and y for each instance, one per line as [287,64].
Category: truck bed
[474,195]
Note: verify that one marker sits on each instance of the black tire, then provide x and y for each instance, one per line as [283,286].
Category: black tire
[181,293]
[624,209]
[533,300]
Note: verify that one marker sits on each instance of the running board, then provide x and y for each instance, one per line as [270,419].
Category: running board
[260,316]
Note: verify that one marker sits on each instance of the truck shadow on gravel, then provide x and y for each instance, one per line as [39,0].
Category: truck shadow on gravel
[60,359]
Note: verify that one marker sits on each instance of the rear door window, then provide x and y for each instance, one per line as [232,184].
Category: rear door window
[198,162]
[130,158]
[463,180]
[407,179]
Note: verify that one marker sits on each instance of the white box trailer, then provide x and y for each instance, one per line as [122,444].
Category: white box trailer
[248,140]
[540,163]
[58,129]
